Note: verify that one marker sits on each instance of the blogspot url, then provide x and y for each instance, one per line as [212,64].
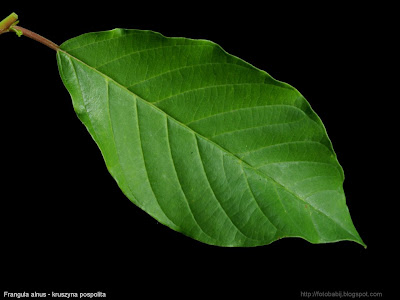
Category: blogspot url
[340,294]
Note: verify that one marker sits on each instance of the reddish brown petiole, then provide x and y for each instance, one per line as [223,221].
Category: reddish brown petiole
[37,37]
[10,24]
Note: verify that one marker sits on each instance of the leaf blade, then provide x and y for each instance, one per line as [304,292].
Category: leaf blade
[234,200]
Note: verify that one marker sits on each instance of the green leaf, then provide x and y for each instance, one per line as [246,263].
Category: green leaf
[204,142]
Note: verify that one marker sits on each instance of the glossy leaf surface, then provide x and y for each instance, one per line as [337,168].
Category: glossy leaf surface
[204,142]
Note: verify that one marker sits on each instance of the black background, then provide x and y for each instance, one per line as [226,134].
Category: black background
[66,226]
